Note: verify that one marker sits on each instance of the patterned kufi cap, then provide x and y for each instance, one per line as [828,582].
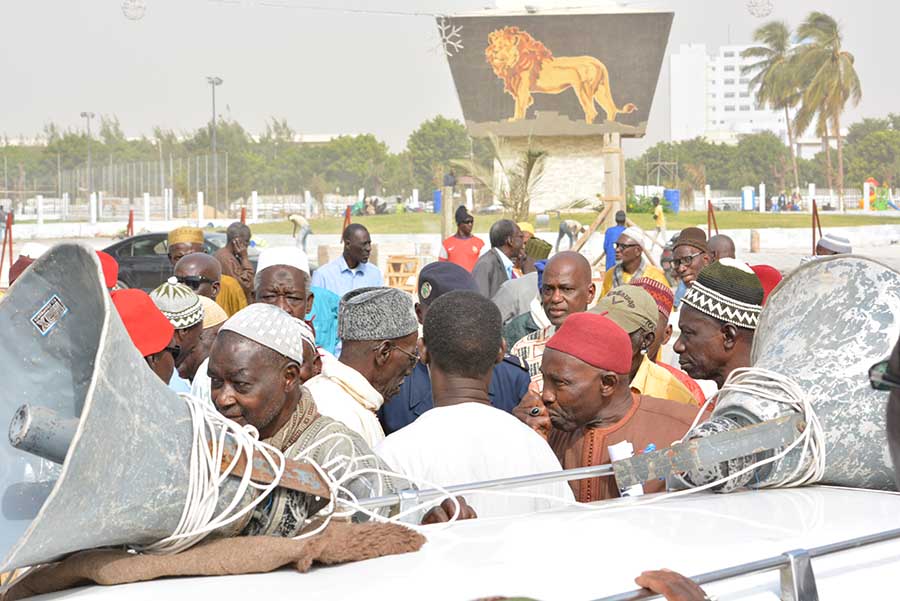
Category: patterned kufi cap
[635,234]
[178,303]
[376,313]
[729,291]
[186,235]
[269,326]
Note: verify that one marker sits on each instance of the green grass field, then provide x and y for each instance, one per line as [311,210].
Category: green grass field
[424,223]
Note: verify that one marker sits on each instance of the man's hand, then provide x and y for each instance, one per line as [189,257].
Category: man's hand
[671,585]
[532,411]
[443,512]
[240,247]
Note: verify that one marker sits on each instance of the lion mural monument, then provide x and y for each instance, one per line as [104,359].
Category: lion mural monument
[526,67]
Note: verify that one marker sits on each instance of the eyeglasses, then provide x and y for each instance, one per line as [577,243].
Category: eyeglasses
[413,357]
[193,281]
[881,378]
[622,246]
[685,261]
[175,351]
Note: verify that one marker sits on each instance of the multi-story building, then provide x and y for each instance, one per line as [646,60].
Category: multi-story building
[711,96]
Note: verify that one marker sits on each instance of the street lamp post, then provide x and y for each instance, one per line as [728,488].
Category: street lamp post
[88,116]
[213,82]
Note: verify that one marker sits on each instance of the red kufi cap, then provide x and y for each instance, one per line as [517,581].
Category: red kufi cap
[768,276]
[148,328]
[596,340]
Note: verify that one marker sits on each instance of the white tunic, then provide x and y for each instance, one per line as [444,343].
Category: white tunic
[344,394]
[471,442]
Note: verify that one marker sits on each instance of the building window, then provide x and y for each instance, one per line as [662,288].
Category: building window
[729,67]
[713,95]
[745,107]
[729,82]
[729,109]
[712,82]
[729,94]
[728,54]
[745,80]
[745,94]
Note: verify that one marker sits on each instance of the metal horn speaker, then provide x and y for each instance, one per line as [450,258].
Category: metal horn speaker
[824,326]
[66,354]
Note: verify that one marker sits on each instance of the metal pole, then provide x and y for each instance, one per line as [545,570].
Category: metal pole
[58,174]
[766,564]
[162,171]
[90,188]
[579,473]
[213,82]
[226,181]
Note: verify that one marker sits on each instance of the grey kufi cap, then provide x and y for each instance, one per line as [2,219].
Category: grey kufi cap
[178,303]
[376,313]
[270,327]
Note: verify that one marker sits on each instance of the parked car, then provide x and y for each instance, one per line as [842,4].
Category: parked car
[144,260]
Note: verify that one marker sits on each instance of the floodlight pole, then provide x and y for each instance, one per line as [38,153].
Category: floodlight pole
[213,82]
[90,187]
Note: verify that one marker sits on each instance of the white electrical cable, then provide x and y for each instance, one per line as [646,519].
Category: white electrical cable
[211,430]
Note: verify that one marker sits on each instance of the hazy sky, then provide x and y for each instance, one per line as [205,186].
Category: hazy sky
[325,71]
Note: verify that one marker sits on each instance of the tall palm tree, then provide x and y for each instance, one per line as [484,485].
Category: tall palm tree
[821,60]
[775,77]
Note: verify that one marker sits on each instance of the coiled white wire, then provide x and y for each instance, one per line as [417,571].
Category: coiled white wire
[338,469]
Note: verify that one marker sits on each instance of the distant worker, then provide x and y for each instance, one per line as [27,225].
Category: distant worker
[611,236]
[496,266]
[720,247]
[527,230]
[569,228]
[630,262]
[301,229]
[659,220]
[352,269]
[234,259]
[462,247]
[830,244]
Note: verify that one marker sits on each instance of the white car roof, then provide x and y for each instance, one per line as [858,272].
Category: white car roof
[577,553]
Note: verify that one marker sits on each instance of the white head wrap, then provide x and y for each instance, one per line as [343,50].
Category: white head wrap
[635,234]
[283,255]
[837,244]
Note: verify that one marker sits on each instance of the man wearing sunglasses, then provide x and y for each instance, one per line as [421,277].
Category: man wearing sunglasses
[462,247]
[202,273]
[630,262]
[379,334]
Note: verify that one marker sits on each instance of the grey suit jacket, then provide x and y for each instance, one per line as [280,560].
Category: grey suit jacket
[489,273]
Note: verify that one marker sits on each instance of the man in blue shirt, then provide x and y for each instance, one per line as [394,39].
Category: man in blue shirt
[509,382]
[352,269]
[609,239]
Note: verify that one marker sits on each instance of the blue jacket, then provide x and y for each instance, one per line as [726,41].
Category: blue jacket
[508,385]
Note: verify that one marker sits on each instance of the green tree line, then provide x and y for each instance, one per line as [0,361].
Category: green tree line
[271,163]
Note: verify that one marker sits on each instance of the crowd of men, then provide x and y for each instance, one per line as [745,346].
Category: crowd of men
[503,364]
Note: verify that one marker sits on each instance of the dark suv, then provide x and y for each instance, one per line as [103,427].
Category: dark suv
[144,259]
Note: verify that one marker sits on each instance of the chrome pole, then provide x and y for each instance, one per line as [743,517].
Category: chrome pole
[419,496]
[763,565]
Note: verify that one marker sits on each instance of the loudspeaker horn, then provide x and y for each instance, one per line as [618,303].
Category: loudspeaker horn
[65,353]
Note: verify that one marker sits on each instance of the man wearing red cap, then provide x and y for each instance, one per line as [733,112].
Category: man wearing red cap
[592,407]
[149,330]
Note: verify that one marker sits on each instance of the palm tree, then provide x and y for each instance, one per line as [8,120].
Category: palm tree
[821,61]
[775,78]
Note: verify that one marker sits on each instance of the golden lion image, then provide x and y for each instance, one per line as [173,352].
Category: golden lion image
[526,66]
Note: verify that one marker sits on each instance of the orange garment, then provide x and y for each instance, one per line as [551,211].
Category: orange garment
[462,251]
[650,420]
[231,296]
